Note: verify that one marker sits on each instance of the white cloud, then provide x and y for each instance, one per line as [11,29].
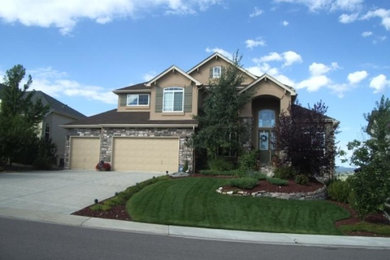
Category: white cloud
[318,69]
[381,13]
[284,23]
[149,75]
[366,34]
[65,14]
[348,18]
[254,43]
[291,57]
[55,84]
[348,5]
[288,58]
[284,79]
[318,77]
[328,5]
[357,76]
[379,83]
[340,89]
[314,83]
[220,51]
[256,12]
[272,56]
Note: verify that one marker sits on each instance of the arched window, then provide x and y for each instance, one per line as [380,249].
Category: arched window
[266,118]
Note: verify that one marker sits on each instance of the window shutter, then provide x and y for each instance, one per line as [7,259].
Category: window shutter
[122,100]
[188,99]
[211,73]
[159,98]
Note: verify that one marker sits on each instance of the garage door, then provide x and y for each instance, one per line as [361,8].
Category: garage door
[84,153]
[146,154]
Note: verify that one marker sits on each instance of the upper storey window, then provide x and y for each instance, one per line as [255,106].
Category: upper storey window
[137,100]
[173,100]
[216,72]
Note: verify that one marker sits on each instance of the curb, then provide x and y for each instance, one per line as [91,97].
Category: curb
[199,233]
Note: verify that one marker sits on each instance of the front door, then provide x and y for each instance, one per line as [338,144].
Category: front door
[266,137]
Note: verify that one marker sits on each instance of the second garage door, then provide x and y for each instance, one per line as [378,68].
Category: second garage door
[84,153]
[146,154]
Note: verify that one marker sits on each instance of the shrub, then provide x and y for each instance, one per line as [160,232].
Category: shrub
[257,175]
[216,172]
[45,157]
[102,166]
[277,181]
[339,191]
[244,183]
[285,172]
[248,161]
[301,179]
[220,164]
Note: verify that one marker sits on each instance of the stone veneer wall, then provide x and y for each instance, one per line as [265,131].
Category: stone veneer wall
[107,134]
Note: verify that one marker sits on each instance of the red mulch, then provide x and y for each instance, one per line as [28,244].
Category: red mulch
[117,212]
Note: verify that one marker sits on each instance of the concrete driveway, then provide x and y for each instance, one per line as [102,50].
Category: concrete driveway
[62,191]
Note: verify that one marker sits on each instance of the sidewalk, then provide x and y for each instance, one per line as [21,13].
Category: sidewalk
[199,233]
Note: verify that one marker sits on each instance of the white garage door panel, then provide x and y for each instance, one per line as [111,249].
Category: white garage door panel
[84,153]
[146,154]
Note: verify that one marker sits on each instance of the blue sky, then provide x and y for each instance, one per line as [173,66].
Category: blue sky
[79,51]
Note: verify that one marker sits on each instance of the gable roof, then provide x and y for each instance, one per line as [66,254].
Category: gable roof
[133,88]
[265,76]
[56,106]
[172,68]
[217,55]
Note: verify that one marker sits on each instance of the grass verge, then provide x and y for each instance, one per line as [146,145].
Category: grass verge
[194,202]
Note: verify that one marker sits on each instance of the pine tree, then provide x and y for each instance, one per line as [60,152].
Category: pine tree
[19,117]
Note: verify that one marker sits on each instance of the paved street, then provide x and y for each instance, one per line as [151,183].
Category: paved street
[62,191]
[21,239]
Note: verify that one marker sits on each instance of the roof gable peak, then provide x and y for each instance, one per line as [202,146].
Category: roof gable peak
[217,55]
[172,68]
[266,76]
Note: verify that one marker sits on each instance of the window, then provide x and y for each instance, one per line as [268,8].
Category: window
[266,118]
[216,72]
[47,133]
[173,99]
[138,100]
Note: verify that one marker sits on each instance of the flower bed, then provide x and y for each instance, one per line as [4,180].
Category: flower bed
[312,191]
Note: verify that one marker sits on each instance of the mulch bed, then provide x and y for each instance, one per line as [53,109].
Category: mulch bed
[117,212]
[291,187]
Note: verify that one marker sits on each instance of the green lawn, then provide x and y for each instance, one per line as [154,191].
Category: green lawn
[194,202]
[383,230]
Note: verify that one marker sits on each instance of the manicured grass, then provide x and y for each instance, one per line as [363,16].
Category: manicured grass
[383,230]
[194,202]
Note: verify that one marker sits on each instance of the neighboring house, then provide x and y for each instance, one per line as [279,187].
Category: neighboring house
[49,128]
[149,129]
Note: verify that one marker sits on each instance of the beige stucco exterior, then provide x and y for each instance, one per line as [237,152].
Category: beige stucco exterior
[202,74]
[173,79]
[267,88]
